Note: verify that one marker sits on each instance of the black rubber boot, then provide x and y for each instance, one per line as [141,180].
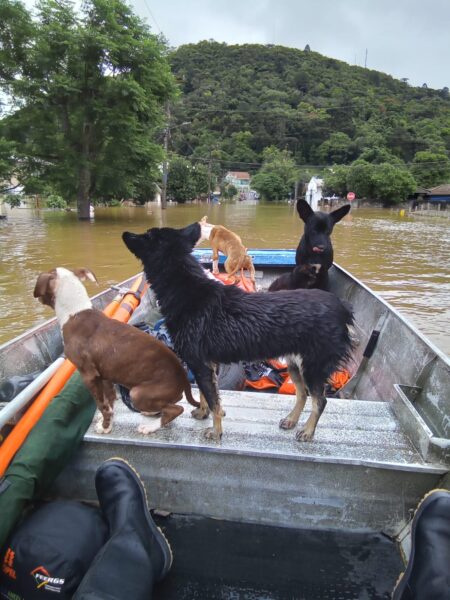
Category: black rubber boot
[427,576]
[137,554]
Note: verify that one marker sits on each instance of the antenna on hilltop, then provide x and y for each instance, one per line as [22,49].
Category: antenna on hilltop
[365,60]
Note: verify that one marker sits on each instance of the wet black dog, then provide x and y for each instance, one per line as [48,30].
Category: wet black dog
[301,277]
[315,245]
[211,323]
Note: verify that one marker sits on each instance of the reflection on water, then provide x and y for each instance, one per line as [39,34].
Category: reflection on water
[403,258]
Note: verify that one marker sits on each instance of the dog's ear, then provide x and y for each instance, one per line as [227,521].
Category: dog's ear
[43,284]
[84,273]
[45,287]
[339,213]
[304,210]
[204,220]
[192,233]
[134,242]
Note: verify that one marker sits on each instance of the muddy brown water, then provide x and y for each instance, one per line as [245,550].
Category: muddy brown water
[403,258]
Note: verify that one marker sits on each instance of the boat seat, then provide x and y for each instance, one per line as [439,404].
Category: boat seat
[360,472]
[355,431]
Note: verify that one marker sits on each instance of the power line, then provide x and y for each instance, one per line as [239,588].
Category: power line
[153,17]
[309,166]
[276,112]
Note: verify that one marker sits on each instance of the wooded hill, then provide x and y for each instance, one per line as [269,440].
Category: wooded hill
[242,99]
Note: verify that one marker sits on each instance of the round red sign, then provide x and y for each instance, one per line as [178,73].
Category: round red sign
[351,196]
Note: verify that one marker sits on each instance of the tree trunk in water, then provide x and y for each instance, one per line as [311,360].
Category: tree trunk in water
[84,183]
[84,174]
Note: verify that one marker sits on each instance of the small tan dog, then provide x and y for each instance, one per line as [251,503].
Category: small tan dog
[230,244]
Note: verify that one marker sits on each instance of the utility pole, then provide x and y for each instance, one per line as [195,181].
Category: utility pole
[297,182]
[165,163]
[209,177]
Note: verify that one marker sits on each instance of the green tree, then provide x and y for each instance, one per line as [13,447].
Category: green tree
[391,184]
[228,191]
[430,168]
[271,186]
[336,180]
[238,147]
[386,182]
[55,201]
[7,164]
[13,200]
[200,178]
[185,180]
[338,148]
[360,179]
[88,90]
[277,176]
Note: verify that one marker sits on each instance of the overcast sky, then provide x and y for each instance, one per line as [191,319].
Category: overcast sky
[405,38]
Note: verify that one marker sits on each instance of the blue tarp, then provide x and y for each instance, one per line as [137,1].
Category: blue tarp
[438,199]
[260,257]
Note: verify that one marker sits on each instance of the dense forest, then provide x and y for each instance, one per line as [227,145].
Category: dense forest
[241,100]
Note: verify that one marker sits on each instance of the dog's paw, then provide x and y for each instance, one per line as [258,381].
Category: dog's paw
[212,434]
[150,426]
[102,430]
[287,423]
[200,413]
[304,435]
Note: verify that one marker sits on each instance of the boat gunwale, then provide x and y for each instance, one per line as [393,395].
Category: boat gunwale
[291,253]
[29,333]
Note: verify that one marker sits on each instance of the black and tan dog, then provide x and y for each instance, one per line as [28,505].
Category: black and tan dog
[315,247]
[301,277]
[211,323]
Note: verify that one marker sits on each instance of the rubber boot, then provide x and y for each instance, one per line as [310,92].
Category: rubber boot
[427,576]
[137,554]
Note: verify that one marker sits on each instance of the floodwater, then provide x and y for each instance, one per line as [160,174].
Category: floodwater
[404,259]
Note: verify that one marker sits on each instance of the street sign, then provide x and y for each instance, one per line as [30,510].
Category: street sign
[351,196]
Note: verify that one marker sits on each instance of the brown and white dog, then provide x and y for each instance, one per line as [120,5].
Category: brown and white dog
[106,351]
[230,244]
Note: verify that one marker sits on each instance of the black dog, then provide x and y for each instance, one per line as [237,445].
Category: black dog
[315,244]
[211,323]
[301,277]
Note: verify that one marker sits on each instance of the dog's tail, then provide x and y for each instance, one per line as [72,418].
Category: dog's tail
[240,265]
[188,393]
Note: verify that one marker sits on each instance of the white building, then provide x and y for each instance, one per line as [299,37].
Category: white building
[314,192]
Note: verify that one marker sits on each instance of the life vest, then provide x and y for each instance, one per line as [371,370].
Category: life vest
[286,386]
[244,282]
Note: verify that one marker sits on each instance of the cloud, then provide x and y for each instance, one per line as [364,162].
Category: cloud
[405,38]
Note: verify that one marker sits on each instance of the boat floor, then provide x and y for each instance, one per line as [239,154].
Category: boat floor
[349,431]
[223,560]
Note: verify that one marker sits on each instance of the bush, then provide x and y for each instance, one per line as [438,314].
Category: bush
[228,191]
[13,200]
[55,201]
